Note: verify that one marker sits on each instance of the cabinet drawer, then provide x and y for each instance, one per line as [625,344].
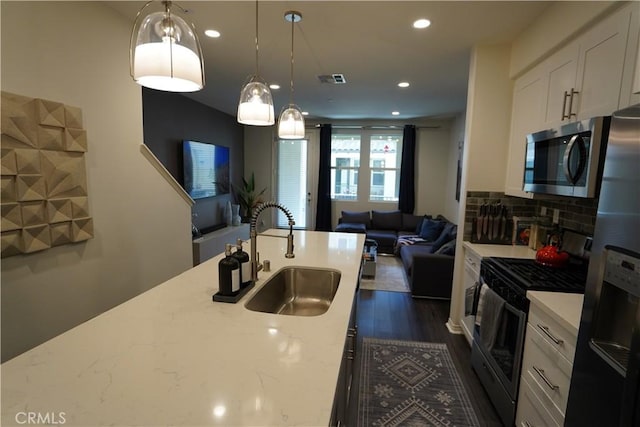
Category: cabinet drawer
[472,262]
[532,412]
[556,335]
[546,369]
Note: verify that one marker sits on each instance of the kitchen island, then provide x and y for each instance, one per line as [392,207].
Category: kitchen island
[172,356]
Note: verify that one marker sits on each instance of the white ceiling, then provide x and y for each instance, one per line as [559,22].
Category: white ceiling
[371,42]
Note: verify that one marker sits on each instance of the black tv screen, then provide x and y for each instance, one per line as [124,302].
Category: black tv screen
[206,169]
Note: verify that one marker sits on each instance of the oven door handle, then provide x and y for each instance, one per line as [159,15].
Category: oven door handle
[545,329]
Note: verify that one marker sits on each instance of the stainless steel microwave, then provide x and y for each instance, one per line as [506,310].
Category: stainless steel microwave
[566,160]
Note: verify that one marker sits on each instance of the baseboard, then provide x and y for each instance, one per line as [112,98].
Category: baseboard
[453,328]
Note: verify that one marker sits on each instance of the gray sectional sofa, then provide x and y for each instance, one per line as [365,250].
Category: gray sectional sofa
[425,245]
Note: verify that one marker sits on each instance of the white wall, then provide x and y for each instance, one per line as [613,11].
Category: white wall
[456,140]
[77,53]
[258,158]
[432,170]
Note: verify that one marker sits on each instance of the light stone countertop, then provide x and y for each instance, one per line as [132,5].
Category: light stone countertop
[171,356]
[564,308]
[502,251]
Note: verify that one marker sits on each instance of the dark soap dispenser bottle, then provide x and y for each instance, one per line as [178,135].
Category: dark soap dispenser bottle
[228,273]
[245,265]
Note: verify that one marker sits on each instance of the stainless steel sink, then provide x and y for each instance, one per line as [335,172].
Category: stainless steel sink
[297,291]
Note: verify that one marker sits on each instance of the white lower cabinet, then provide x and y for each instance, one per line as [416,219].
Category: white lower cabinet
[546,370]
[532,412]
[471,276]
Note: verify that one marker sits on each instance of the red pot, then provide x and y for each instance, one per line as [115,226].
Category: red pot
[551,256]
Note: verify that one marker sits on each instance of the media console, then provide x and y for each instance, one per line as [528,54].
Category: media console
[212,244]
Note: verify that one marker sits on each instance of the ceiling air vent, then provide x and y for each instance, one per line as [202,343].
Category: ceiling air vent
[335,79]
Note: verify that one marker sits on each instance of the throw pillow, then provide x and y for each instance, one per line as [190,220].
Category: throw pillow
[448,248]
[419,225]
[431,229]
[448,233]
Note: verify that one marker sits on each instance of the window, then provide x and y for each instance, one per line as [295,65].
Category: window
[345,162]
[384,152]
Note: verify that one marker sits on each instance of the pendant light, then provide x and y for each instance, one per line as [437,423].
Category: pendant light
[256,104]
[164,52]
[291,121]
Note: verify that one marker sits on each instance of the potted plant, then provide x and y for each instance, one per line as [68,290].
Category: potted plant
[248,197]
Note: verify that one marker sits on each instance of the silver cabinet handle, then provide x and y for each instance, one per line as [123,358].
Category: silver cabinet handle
[540,372]
[571,113]
[545,329]
[564,105]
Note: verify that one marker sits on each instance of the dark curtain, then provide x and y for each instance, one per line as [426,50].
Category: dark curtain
[323,212]
[407,196]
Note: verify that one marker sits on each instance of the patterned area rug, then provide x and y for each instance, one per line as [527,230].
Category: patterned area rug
[408,383]
[389,276]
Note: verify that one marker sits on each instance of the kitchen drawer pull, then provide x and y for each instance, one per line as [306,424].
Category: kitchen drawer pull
[545,329]
[540,372]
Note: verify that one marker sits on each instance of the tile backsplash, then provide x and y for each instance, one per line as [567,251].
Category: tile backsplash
[574,213]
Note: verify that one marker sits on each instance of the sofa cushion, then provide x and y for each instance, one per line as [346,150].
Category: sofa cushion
[347,227]
[448,248]
[431,230]
[411,222]
[385,238]
[386,220]
[356,218]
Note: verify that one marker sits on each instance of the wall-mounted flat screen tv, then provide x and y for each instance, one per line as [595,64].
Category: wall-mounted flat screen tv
[206,169]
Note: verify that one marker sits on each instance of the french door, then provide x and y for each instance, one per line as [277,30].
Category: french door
[296,180]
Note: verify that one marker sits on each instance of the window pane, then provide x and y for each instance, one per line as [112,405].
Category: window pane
[344,184]
[385,150]
[385,184]
[345,161]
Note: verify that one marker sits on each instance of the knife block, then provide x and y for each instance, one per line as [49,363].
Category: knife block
[479,235]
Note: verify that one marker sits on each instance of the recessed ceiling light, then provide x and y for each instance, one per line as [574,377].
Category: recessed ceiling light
[274,86]
[212,33]
[305,113]
[421,23]
[403,84]
[395,113]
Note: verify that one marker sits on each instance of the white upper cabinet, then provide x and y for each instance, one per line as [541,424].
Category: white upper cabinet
[590,76]
[585,77]
[602,57]
[526,117]
[559,73]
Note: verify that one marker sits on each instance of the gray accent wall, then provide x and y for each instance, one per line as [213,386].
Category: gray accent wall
[170,118]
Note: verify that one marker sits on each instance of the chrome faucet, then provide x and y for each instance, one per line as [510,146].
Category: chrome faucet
[253,234]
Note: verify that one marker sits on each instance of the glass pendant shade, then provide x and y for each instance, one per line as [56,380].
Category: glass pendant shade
[165,53]
[291,123]
[255,107]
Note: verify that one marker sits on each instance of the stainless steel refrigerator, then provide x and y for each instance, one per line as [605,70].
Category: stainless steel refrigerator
[605,384]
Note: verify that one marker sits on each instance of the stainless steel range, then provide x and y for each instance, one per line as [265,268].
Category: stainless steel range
[497,360]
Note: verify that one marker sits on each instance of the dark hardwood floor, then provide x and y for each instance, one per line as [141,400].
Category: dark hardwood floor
[396,315]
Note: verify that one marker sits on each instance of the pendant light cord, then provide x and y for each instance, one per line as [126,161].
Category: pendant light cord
[257,66]
[291,92]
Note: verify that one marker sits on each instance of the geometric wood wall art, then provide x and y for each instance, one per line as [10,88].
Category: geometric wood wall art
[43,192]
